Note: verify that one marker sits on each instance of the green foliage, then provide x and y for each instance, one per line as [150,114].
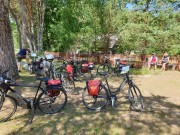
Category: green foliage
[145,26]
[15,35]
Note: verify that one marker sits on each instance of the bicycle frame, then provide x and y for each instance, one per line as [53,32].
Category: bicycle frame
[22,85]
[126,80]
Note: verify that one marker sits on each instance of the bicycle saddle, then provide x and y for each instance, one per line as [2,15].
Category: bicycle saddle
[117,59]
[44,79]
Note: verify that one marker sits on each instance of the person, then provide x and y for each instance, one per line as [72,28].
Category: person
[179,63]
[22,54]
[153,61]
[165,61]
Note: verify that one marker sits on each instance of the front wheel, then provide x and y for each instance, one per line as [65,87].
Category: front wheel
[135,98]
[51,105]
[68,83]
[95,102]
[8,108]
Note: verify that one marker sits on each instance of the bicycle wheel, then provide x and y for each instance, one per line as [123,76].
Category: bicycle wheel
[68,83]
[103,68]
[51,105]
[51,73]
[95,102]
[8,108]
[135,98]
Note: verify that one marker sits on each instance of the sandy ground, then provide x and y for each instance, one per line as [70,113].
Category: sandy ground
[161,115]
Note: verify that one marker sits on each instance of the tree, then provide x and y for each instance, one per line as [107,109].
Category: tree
[7,54]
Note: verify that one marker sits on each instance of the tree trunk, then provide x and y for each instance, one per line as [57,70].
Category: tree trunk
[47,39]
[7,55]
[23,25]
[40,24]
[31,35]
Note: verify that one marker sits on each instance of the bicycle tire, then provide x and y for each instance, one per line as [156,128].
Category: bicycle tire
[68,83]
[135,98]
[95,103]
[8,108]
[48,105]
[51,74]
[103,68]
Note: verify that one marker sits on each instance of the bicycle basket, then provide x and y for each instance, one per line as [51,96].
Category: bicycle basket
[93,87]
[53,87]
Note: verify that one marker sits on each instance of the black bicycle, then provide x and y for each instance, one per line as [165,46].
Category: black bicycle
[80,70]
[50,100]
[104,94]
[65,73]
[106,67]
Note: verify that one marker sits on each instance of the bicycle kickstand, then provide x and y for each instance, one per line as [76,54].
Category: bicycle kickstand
[33,110]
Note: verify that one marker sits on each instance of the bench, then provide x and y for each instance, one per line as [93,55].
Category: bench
[170,66]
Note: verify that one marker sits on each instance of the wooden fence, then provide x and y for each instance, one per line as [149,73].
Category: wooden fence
[132,59]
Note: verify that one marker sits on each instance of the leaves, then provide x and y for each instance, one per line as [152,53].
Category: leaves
[86,25]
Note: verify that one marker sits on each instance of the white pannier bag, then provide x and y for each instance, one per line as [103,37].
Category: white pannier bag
[33,55]
[49,57]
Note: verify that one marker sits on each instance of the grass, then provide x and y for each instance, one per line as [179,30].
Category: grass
[161,115]
[145,71]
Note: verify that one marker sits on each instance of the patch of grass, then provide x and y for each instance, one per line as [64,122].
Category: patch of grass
[144,71]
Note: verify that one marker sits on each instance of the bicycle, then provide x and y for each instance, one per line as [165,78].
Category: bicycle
[49,67]
[36,65]
[106,67]
[81,70]
[65,74]
[50,100]
[104,94]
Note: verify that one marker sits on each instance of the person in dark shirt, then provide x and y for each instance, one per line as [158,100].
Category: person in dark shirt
[165,61]
[22,54]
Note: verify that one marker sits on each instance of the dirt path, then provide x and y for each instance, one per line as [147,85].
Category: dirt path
[161,115]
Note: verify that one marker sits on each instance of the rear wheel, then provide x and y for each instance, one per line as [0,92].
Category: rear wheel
[86,74]
[95,102]
[136,98]
[51,105]
[103,68]
[8,106]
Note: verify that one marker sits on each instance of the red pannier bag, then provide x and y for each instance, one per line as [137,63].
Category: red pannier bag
[93,87]
[84,68]
[53,87]
[54,82]
[69,69]
[123,62]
